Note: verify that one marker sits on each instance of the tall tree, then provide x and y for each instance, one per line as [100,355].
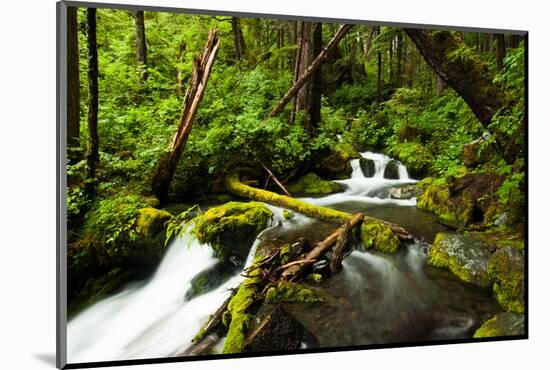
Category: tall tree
[378,70]
[308,73]
[92,154]
[73,82]
[316,80]
[141,47]
[501,50]
[468,76]
[201,72]
[304,57]
[238,38]
[399,51]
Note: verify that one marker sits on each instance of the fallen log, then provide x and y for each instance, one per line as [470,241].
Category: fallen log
[375,233]
[294,270]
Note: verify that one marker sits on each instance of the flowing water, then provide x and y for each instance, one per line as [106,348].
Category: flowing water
[376,298]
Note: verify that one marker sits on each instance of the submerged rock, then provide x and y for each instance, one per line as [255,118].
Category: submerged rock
[312,185]
[502,324]
[367,167]
[465,257]
[232,228]
[391,171]
[506,269]
[336,165]
[209,279]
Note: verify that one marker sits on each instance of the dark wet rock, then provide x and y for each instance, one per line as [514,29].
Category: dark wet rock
[464,256]
[502,324]
[506,269]
[477,152]
[367,167]
[391,171]
[278,330]
[209,279]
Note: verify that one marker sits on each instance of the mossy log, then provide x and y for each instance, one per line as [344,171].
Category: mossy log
[236,187]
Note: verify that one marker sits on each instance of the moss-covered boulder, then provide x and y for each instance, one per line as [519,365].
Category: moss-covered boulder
[502,324]
[506,269]
[376,235]
[465,257]
[151,221]
[312,185]
[414,156]
[368,167]
[470,199]
[232,228]
[336,164]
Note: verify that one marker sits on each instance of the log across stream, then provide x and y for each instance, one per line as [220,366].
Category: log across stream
[375,298]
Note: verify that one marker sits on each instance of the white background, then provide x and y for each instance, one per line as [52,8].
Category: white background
[27,181]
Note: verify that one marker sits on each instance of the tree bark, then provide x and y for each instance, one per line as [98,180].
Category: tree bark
[141,47]
[238,38]
[304,58]
[310,70]
[73,82]
[92,155]
[501,50]
[201,71]
[316,81]
[399,52]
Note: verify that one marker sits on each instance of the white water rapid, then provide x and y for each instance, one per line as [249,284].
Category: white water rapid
[154,320]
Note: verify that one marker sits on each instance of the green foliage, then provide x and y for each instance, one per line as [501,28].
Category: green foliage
[178,224]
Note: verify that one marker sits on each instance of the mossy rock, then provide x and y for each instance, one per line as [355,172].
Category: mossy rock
[312,185]
[150,221]
[470,199]
[232,228]
[502,324]
[288,214]
[414,156]
[506,269]
[376,235]
[477,152]
[336,164]
[291,292]
[465,257]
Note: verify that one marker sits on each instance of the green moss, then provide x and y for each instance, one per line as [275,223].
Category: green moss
[502,324]
[291,292]
[434,199]
[285,253]
[231,228]
[151,221]
[288,214]
[375,234]
[347,151]
[315,277]
[414,156]
[506,269]
[311,184]
[239,309]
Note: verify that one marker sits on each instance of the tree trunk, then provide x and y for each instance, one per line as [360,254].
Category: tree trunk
[439,86]
[308,73]
[468,76]
[304,58]
[501,50]
[390,62]
[179,72]
[92,155]
[316,82]
[73,83]
[201,71]
[399,58]
[141,47]
[238,38]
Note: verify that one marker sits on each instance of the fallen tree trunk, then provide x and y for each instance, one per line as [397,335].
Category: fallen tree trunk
[375,233]
[295,269]
[201,72]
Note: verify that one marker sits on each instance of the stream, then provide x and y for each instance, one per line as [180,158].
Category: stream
[375,299]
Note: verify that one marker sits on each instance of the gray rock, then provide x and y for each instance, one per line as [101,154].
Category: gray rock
[464,256]
[404,192]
